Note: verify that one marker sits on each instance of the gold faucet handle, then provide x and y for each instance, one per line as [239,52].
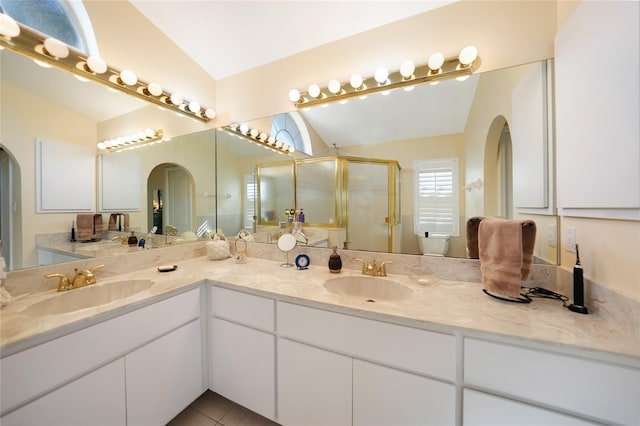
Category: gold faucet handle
[85,277]
[364,265]
[382,270]
[63,284]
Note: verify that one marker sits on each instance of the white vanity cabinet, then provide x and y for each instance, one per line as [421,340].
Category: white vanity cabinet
[553,387]
[135,360]
[242,349]
[339,369]
[50,257]
[95,399]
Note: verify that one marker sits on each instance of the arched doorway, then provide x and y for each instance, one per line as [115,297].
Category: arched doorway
[10,208]
[170,191]
[498,170]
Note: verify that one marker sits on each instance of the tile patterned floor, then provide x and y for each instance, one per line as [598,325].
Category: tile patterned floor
[212,409]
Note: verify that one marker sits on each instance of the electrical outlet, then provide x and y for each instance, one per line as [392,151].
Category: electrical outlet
[552,235]
[570,239]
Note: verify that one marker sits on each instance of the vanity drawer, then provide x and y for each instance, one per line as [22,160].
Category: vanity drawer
[591,388]
[421,351]
[44,367]
[242,308]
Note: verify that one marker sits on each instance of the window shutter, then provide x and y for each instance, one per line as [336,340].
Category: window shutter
[436,196]
[249,201]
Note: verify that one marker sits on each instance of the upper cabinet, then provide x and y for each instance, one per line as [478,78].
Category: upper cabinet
[597,87]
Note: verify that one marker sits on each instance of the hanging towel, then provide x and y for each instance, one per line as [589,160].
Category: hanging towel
[506,251]
[472,237]
[84,224]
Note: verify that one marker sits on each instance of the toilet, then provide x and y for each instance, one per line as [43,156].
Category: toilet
[434,245]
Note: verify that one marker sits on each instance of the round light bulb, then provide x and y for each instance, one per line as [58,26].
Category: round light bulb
[8,26]
[154,89]
[96,65]
[128,77]
[314,91]
[294,95]
[407,68]
[254,133]
[292,150]
[334,87]
[381,75]
[194,106]
[271,140]
[468,55]
[176,99]
[356,81]
[244,129]
[141,135]
[102,146]
[435,61]
[149,133]
[210,113]
[262,136]
[56,48]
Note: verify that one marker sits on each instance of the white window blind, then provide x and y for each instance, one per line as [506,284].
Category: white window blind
[436,194]
[249,201]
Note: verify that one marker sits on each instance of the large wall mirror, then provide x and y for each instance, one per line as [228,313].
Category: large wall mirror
[496,124]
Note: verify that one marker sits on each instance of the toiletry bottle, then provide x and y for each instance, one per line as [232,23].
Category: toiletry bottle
[133,240]
[301,216]
[73,231]
[335,263]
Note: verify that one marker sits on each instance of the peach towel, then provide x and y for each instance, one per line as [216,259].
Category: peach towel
[98,227]
[506,252]
[472,237]
[84,225]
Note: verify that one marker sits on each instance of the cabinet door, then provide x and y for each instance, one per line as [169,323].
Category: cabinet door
[484,409]
[243,366]
[385,396]
[95,399]
[314,386]
[164,376]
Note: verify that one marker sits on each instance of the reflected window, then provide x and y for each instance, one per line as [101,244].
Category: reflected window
[436,196]
[291,129]
[66,21]
[250,189]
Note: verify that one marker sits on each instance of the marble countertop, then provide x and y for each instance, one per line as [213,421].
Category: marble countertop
[436,304]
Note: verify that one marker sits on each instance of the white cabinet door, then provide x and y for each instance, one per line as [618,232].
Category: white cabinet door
[314,386]
[484,409]
[95,399]
[385,396]
[164,376]
[243,366]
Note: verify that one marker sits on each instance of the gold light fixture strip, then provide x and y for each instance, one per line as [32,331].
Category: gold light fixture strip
[133,141]
[451,68]
[261,138]
[44,49]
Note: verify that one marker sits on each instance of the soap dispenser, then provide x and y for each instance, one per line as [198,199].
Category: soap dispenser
[133,240]
[335,263]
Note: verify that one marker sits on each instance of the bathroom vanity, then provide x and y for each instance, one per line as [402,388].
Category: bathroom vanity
[277,342]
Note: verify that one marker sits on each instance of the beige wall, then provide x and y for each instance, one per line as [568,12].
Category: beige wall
[25,118]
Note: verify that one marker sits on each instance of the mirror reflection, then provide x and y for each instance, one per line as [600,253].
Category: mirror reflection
[483,123]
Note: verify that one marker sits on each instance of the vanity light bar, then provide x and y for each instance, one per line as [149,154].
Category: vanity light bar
[254,135]
[408,75]
[49,51]
[136,140]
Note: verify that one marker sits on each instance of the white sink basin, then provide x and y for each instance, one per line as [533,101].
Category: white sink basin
[371,289]
[87,297]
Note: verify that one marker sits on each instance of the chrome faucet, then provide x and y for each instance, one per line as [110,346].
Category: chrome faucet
[373,269]
[82,278]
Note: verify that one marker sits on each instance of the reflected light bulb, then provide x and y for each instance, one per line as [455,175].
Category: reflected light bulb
[294,95]
[254,133]
[334,87]
[154,89]
[56,48]
[194,106]
[356,81]
[8,26]
[381,75]
[435,61]
[468,55]
[244,129]
[96,65]
[314,91]
[210,113]
[406,69]
[176,99]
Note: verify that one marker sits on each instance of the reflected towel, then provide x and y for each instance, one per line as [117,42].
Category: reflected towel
[98,227]
[506,251]
[123,225]
[84,224]
[472,237]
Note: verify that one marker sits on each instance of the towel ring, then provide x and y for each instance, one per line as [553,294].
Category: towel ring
[523,298]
